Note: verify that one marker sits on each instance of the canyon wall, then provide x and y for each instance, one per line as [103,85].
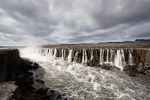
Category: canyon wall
[126,58]
[9,60]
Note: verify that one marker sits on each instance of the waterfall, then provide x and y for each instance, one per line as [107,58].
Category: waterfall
[107,56]
[120,59]
[50,52]
[111,56]
[80,82]
[46,51]
[130,59]
[92,54]
[62,53]
[84,57]
[76,56]
[70,56]
[55,52]
[101,56]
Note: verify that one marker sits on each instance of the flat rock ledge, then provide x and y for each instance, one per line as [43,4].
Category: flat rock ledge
[7,90]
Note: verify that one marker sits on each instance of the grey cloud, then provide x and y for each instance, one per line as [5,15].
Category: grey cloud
[111,13]
[73,21]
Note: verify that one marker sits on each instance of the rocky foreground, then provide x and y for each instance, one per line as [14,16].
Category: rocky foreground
[16,79]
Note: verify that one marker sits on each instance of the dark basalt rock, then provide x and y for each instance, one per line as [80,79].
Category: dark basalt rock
[23,80]
[106,66]
[147,72]
[131,73]
[144,69]
[18,70]
[130,68]
[41,91]
[40,81]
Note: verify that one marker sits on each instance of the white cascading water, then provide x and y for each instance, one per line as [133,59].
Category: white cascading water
[84,57]
[46,52]
[130,58]
[91,55]
[81,82]
[50,52]
[101,56]
[107,56]
[55,52]
[62,53]
[76,56]
[70,56]
[120,59]
[111,57]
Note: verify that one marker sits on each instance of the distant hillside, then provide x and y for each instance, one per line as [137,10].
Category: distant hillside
[142,40]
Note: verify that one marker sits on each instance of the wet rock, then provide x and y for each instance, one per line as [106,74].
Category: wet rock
[24,80]
[90,63]
[147,67]
[147,72]
[29,74]
[141,69]
[52,92]
[19,72]
[107,67]
[40,81]
[41,91]
[131,73]
[35,66]
[130,68]
[58,96]
[144,69]
[8,90]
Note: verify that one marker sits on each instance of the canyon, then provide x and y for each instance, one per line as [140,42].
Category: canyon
[127,59]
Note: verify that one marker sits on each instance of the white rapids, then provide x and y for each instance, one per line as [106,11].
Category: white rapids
[81,82]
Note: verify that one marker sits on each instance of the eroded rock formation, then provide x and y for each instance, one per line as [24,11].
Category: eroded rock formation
[137,60]
[9,60]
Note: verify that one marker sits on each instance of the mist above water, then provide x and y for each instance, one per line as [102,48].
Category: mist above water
[81,82]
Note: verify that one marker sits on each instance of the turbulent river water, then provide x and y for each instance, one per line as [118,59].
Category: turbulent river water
[80,82]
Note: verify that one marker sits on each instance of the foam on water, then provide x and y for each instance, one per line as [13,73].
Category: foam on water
[82,82]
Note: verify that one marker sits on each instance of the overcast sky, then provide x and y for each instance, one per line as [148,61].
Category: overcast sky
[24,22]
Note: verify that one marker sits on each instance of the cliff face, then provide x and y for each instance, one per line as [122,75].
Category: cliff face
[2,66]
[125,59]
[9,60]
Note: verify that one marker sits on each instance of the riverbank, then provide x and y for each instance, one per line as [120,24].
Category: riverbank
[17,79]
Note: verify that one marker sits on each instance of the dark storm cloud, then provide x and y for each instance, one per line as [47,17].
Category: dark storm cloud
[117,12]
[73,21]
